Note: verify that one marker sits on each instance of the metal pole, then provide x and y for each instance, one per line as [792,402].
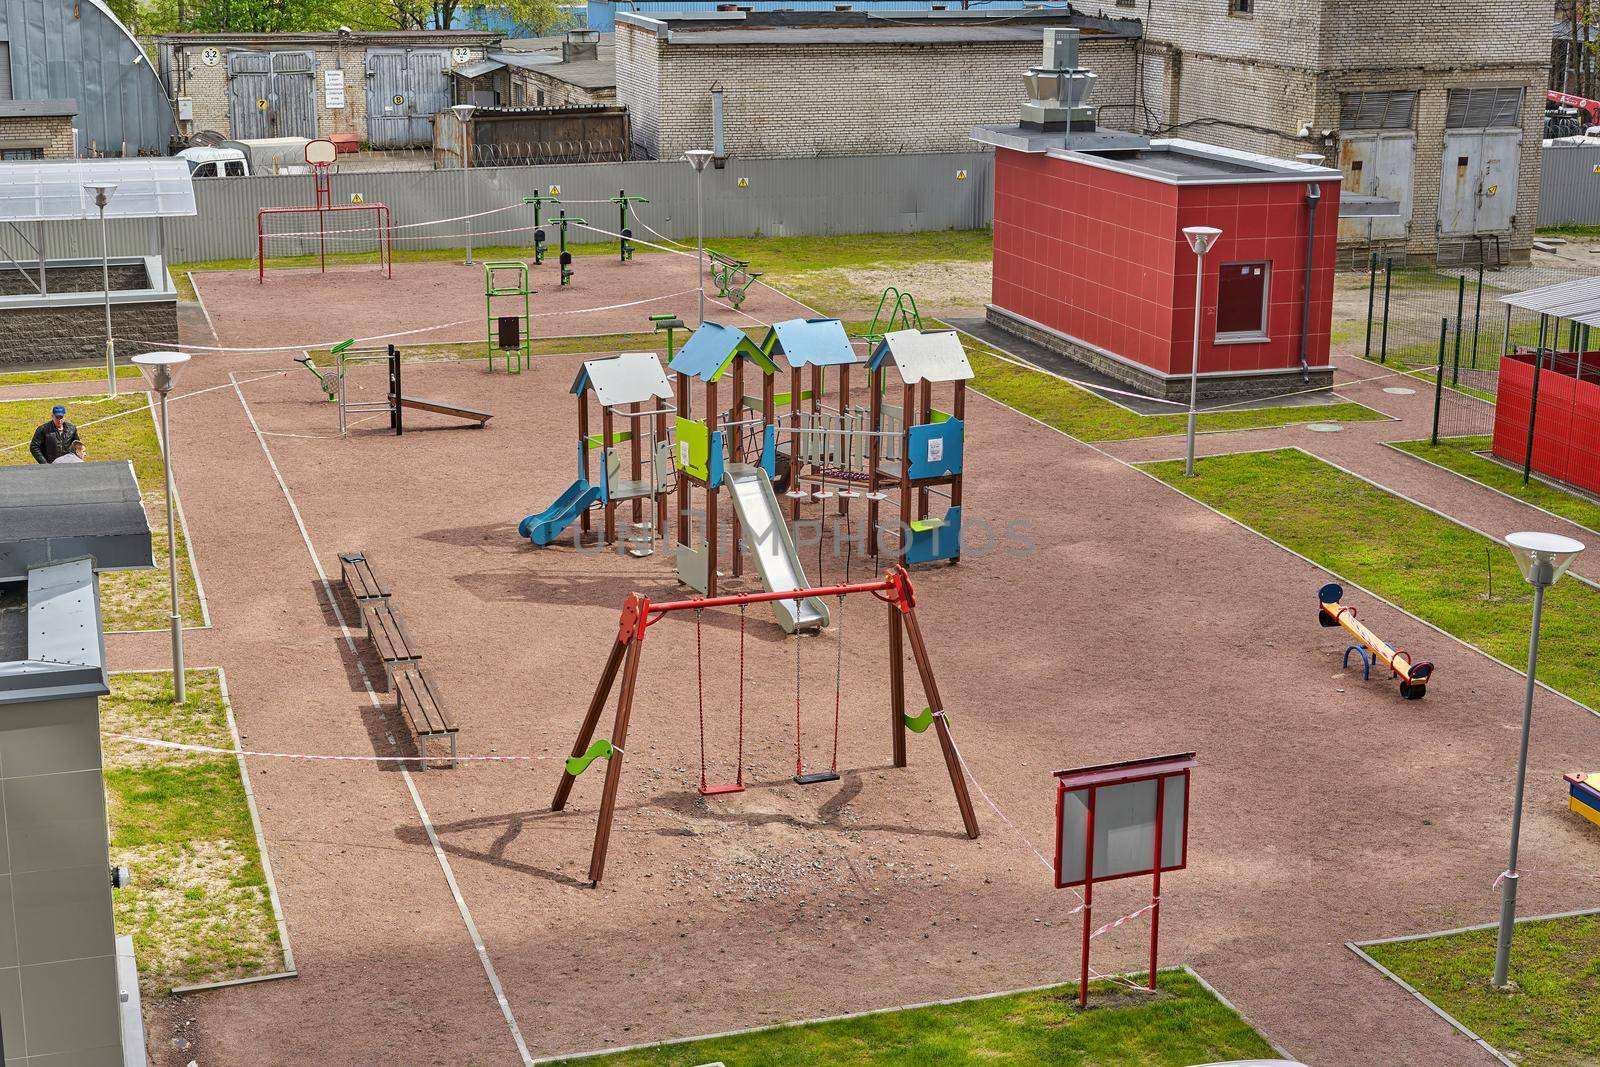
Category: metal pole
[1508,881]
[1461,308]
[1388,276]
[1372,294]
[172,562]
[1438,381]
[1477,315]
[1194,363]
[466,186]
[105,280]
[699,237]
[1533,401]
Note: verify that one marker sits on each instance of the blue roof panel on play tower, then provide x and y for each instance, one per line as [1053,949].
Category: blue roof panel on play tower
[709,350]
[810,342]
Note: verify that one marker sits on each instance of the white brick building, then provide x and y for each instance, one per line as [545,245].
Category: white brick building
[811,83]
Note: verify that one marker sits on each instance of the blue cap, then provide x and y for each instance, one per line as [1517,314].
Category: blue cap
[59,409]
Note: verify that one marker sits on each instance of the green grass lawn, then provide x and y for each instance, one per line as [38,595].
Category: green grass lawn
[1181,1024]
[67,374]
[198,907]
[1091,418]
[129,600]
[1550,1021]
[1460,455]
[1426,564]
[1569,229]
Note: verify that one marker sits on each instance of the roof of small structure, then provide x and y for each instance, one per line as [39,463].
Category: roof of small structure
[62,650]
[810,342]
[630,378]
[711,349]
[1577,301]
[53,190]
[920,356]
[70,510]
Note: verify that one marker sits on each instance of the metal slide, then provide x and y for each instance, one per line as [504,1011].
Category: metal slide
[773,548]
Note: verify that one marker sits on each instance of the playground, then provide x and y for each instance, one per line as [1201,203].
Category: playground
[1094,615]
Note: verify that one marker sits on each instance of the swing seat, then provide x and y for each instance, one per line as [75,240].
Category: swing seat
[816,776]
[720,790]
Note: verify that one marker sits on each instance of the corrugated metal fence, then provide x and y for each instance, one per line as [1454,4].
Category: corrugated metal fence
[756,197]
[1569,185]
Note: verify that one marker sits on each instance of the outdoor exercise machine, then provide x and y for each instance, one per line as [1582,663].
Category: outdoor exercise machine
[539,241]
[624,231]
[1121,820]
[929,455]
[328,381]
[669,324]
[562,221]
[1583,793]
[320,155]
[639,614]
[1414,677]
[732,276]
[503,280]
[708,445]
[395,400]
[633,388]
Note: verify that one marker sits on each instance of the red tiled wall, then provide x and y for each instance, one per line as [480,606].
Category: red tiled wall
[1100,256]
[1566,440]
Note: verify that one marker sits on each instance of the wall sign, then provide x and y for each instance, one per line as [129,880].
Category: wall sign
[210,56]
[355,198]
[333,89]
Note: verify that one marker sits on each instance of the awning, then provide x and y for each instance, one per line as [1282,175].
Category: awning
[1576,301]
[478,69]
[51,191]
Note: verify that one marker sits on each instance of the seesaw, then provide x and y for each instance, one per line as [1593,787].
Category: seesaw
[1583,795]
[1413,676]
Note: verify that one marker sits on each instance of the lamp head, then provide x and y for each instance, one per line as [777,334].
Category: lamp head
[101,191]
[698,158]
[464,112]
[161,369]
[1543,557]
[1201,238]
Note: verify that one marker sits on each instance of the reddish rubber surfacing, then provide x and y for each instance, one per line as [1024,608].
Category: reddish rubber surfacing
[1319,813]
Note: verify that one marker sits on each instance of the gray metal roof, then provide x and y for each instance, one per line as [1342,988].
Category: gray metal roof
[65,654]
[70,510]
[888,33]
[1576,301]
[24,109]
[478,69]
[919,356]
[631,378]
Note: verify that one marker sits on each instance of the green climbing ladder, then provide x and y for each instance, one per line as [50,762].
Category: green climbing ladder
[902,315]
[518,349]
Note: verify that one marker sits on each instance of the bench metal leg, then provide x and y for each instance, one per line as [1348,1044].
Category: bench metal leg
[454,762]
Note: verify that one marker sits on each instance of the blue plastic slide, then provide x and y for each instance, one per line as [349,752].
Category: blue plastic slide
[546,526]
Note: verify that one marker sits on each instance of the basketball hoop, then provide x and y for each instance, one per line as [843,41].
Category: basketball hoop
[321,152]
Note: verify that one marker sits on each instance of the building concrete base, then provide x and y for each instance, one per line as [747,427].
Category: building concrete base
[1143,380]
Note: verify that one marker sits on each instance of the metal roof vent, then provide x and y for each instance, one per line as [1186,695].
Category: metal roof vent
[1057,87]
[580,44]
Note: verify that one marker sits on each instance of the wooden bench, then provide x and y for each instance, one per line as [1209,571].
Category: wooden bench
[358,575]
[387,632]
[418,697]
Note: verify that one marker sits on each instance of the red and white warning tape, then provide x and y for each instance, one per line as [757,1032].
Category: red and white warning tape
[152,742]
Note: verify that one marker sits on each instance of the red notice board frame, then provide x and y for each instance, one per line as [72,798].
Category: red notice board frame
[1156,769]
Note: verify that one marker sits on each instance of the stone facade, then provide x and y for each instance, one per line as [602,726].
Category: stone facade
[36,136]
[824,99]
[205,86]
[1255,81]
[49,335]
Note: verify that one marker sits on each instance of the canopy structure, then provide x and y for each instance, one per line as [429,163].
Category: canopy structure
[919,356]
[1576,301]
[631,378]
[710,350]
[810,342]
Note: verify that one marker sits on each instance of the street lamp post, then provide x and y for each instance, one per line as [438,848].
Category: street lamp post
[463,114]
[161,370]
[1201,238]
[1543,558]
[101,191]
[698,158]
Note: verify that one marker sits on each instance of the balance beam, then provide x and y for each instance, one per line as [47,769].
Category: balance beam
[1331,612]
[441,408]
[399,400]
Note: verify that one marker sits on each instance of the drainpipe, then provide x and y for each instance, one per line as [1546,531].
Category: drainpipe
[1313,198]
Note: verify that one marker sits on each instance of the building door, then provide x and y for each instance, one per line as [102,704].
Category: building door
[271,94]
[1482,153]
[406,87]
[1377,151]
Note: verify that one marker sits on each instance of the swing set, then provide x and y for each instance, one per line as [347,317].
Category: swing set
[639,614]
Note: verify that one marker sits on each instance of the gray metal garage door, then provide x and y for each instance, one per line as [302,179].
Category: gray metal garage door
[271,94]
[406,87]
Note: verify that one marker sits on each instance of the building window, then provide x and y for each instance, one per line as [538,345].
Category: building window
[21,153]
[1377,111]
[1480,108]
[1242,7]
[541,98]
[1242,301]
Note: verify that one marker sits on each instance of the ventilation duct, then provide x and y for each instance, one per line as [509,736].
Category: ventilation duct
[1058,87]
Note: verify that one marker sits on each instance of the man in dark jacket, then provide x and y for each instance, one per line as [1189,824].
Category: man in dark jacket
[55,438]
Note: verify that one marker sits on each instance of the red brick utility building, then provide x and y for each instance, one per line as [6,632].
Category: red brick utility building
[1090,259]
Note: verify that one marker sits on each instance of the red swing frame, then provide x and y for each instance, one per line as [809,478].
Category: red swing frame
[639,614]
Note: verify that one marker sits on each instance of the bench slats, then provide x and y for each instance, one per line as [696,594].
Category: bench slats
[419,699]
[361,578]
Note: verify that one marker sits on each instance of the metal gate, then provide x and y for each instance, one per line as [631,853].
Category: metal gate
[1478,181]
[406,87]
[1378,164]
[271,94]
